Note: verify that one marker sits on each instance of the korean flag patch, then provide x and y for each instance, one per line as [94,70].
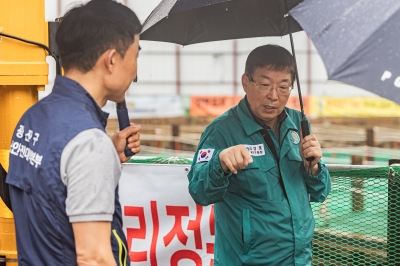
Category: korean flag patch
[205,155]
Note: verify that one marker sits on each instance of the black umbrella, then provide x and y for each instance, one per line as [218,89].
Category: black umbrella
[195,21]
[358,40]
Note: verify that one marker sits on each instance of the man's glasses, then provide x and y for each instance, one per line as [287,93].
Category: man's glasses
[281,90]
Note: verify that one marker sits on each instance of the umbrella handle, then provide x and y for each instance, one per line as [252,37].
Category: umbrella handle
[123,120]
[306,131]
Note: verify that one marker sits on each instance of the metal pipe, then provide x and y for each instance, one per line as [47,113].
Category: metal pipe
[209,53]
[59,6]
[234,66]
[178,69]
[343,167]
[309,68]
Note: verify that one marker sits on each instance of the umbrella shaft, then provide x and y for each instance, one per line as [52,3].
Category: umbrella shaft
[295,61]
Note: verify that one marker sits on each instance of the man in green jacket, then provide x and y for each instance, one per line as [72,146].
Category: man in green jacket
[251,163]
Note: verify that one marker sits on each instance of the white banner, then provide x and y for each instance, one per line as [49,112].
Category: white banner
[162,223]
[149,106]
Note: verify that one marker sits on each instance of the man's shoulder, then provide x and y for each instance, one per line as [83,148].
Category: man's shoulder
[54,104]
[62,111]
[229,119]
[91,143]
[91,135]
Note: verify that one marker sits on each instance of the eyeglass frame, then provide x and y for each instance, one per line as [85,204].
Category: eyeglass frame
[259,85]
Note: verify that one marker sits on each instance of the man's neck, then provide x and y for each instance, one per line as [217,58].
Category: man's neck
[272,123]
[90,82]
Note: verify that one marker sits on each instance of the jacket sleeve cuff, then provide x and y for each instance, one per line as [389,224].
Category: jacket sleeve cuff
[319,176]
[217,173]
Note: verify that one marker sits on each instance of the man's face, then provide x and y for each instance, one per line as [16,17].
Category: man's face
[262,94]
[125,71]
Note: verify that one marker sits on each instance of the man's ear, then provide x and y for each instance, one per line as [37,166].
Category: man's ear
[245,82]
[110,59]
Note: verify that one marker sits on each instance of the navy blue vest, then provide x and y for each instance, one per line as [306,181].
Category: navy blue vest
[44,233]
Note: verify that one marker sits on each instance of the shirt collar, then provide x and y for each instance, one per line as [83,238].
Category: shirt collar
[72,89]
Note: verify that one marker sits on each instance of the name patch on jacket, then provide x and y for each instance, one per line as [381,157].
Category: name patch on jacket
[205,155]
[256,150]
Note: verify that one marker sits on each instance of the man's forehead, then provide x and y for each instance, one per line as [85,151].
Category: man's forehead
[273,75]
[280,75]
[268,69]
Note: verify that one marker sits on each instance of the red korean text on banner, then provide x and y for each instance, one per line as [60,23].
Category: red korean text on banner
[178,212]
[138,233]
[164,227]
[210,246]
[156,229]
[194,225]
[186,254]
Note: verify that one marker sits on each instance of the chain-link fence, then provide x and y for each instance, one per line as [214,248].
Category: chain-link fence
[358,224]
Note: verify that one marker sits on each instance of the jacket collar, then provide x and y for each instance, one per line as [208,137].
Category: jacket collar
[72,89]
[250,126]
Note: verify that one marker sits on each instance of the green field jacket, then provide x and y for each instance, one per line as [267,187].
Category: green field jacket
[257,222]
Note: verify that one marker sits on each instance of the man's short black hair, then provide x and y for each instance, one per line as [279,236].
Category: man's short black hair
[88,30]
[272,56]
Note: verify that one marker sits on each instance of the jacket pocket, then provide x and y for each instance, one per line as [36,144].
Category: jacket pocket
[246,230]
[293,164]
[260,181]
[262,163]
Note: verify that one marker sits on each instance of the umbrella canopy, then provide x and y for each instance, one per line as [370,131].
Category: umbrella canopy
[358,41]
[196,21]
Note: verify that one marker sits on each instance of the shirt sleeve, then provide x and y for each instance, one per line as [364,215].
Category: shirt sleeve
[318,186]
[90,170]
[207,181]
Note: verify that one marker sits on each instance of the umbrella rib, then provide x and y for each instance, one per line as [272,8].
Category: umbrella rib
[277,7]
[191,26]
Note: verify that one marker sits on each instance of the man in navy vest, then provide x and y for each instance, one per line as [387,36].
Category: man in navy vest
[64,169]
